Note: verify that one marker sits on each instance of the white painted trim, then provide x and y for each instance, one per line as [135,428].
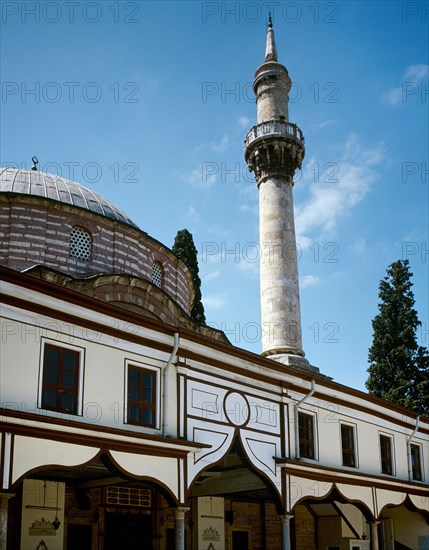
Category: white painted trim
[157,371]
[81,373]
[392,447]
[355,443]
[315,434]
[422,463]
[138,439]
[7,459]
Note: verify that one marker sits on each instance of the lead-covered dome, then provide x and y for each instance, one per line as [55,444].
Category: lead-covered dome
[56,188]
[57,224]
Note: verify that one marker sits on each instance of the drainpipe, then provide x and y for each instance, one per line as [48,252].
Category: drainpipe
[410,465]
[313,388]
[167,368]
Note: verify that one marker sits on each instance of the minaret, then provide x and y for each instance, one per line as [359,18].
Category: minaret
[274,150]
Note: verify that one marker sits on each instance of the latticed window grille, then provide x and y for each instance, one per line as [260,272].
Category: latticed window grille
[129,496]
[157,274]
[80,244]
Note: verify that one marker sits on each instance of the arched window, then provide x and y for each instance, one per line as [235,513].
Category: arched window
[157,274]
[80,244]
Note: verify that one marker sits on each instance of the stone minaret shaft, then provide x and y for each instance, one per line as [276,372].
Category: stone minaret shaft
[274,150]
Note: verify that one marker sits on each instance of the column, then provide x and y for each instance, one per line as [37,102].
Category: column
[373,525]
[4,500]
[286,542]
[179,527]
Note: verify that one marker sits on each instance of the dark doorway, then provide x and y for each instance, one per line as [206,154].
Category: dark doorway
[79,536]
[130,531]
[240,540]
[170,539]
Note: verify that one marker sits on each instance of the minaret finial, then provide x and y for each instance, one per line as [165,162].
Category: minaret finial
[270,50]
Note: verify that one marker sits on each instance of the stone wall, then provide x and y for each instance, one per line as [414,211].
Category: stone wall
[37,231]
[259,518]
[305,529]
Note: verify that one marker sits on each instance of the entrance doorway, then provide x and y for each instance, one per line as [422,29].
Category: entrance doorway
[79,536]
[130,531]
[240,539]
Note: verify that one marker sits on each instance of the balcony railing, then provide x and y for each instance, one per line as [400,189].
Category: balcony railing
[274,128]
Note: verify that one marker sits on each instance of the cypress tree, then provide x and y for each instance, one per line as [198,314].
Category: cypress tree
[185,249]
[398,365]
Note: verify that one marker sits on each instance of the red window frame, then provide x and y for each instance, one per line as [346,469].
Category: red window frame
[141,396]
[416,462]
[306,435]
[60,379]
[348,445]
[386,455]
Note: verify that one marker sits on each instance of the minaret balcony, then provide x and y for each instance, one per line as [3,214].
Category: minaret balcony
[274,148]
[274,129]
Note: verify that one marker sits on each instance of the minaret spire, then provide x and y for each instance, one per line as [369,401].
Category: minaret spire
[274,150]
[270,50]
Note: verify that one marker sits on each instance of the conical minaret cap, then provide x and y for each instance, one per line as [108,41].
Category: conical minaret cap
[270,50]
[271,66]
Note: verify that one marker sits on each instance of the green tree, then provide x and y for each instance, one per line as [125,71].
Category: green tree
[185,249]
[398,365]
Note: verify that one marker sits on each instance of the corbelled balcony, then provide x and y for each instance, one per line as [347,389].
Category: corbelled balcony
[274,148]
[274,128]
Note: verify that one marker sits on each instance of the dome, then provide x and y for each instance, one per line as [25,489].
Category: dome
[49,186]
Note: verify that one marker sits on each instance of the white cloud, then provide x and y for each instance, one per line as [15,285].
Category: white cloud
[303,242]
[193,214]
[220,232]
[199,177]
[417,72]
[214,301]
[359,246]
[252,209]
[218,147]
[336,189]
[221,145]
[244,122]
[211,275]
[309,280]
[393,96]
[412,78]
[325,123]
[249,265]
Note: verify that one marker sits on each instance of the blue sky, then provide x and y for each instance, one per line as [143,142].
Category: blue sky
[148,104]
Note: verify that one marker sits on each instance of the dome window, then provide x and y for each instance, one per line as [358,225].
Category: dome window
[80,244]
[157,274]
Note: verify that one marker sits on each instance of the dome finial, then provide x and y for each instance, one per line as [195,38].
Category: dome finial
[35,163]
[270,50]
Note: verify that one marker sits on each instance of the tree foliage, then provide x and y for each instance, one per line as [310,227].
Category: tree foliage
[185,249]
[398,365]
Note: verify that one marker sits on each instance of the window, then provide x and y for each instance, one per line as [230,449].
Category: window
[306,435]
[80,244]
[386,455]
[60,387]
[141,396]
[157,274]
[416,462]
[348,445]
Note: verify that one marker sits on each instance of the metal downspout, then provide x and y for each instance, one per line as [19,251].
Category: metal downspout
[313,388]
[410,466]
[169,363]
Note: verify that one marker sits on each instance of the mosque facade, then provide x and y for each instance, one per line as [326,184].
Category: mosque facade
[126,425]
